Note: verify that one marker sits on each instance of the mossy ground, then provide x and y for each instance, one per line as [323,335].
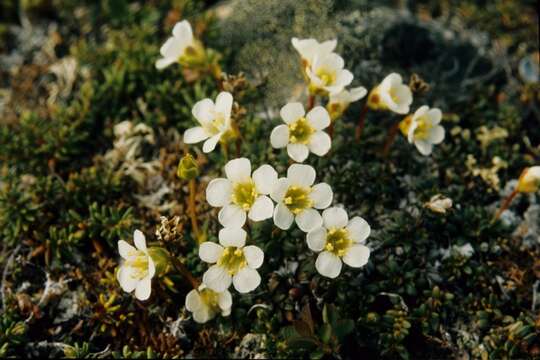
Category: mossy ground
[70,72]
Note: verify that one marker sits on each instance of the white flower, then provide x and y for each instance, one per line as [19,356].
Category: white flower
[181,47]
[137,269]
[340,101]
[529,180]
[311,48]
[423,129]
[205,303]
[391,94]
[215,120]
[242,192]
[339,239]
[233,262]
[302,133]
[326,74]
[297,199]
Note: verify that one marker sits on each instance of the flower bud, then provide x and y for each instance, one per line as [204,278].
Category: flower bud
[187,168]
[161,259]
[529,181]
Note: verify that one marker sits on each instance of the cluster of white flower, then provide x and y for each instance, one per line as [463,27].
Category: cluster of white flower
[260,194]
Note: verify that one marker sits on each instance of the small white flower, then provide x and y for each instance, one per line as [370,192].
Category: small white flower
[215,120]
[340,101]
[423,129]
[326,74]
[205,303]
[439,204]
[297,198]
[137,269]
[529,180]
[302,133]
[178,45]
[311,48]
[242,193]
[337,240]
[233,262]
[391,94]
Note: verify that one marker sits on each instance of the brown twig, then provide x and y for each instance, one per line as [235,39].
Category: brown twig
[506,203]
[361,123]
[182,270]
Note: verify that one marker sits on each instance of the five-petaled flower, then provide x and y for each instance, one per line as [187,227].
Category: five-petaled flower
[391,94]
[205,303]
[182,47]
[302,133]
[311,48]
[297,198]
[232,262]
[214,120]
[326,75]
[137,269]
[529,180]
[422,128]
[242,192]
[339,239]
[339,102]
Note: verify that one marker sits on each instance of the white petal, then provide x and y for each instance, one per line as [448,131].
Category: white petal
[437,134]
[193,301]
[127,282]
[210,144]
[316,239]
[321,195]
[164,62]
[238,170]
[151,267]
[328,264]
[301,175]
[265,178]
[279,137]
[246,280]
[195,135]
[232,237]
[280,189]
[308,220]
[225,300]
[144,288]
[254,256]
[217,278]
[210,252]
[335,217]
[125,249]
[320,143]
[203,315]
[423,147]
[283,218]
[203,111]
[172,48]
[139,240]
[218,192]
[182,30]
[292,112]
[232,216]
[224,102]
[318,118]
[356,256]
[298,152]
[344,78]
[359,229]
[357,93]
[435,115]
[262,209]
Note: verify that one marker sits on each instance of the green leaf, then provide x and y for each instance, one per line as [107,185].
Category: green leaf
[343,328]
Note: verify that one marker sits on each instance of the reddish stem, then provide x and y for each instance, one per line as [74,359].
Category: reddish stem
[311,102]
[506,203]
[390,138]
[361,123]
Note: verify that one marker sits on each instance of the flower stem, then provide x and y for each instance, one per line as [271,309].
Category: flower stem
[390,138]
[311,102]
[331,130]
[225,150]
[192,209]
[361,123]
[506,203]
[182,270]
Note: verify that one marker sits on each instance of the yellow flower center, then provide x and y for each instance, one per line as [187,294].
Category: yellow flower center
[300,131]
[244,194]
[216,125]
[338,241]
[297,199]
[327,76]
[422,130]
[232,259]
[394,96]
[209,297]
[138,262]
